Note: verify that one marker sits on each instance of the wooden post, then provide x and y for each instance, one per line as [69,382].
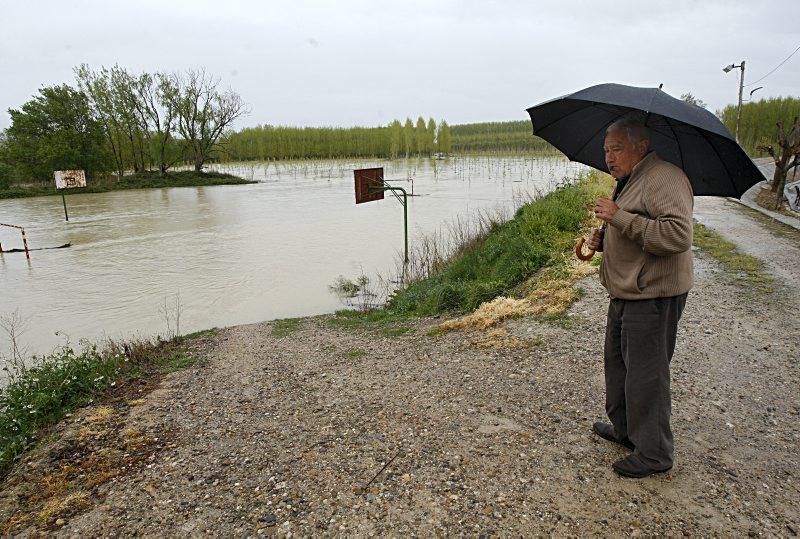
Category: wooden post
[25,244]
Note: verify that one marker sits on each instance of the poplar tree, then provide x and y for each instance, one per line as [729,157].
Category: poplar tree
[431,138]
[396,138]
[421,136]
[444,140]
[408,137]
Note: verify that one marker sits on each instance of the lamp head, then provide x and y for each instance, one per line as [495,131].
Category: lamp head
[727,68]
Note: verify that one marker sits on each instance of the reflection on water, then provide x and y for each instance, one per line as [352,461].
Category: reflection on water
[234,254]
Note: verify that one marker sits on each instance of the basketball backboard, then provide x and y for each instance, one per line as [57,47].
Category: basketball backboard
[369,184]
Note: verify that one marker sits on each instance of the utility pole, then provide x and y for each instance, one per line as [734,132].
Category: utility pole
[727,69]
[739,111]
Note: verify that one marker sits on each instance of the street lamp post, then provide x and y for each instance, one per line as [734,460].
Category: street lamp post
[726,69]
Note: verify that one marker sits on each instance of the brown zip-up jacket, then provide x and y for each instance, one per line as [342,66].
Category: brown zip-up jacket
[647,244]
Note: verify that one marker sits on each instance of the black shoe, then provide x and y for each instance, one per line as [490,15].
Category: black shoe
[606,431]
[633,466]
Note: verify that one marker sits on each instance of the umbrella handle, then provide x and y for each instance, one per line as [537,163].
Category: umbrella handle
[579,251]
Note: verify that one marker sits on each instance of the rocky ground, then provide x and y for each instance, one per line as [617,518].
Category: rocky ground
[329,431]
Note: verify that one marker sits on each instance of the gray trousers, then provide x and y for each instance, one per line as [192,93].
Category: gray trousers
[640,340]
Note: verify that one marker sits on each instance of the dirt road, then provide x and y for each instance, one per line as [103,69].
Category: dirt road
[349,431]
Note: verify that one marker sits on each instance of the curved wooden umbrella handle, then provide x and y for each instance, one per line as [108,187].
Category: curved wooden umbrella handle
[579,251]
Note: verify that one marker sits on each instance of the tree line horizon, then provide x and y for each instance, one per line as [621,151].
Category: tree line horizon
[112,121]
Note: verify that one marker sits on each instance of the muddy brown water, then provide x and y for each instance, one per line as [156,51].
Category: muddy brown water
[232,254]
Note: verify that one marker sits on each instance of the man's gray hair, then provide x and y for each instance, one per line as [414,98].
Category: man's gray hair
[633,126]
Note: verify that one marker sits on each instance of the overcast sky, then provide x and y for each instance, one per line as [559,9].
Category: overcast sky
[350,62]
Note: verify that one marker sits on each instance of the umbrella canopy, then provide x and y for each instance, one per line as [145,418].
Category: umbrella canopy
[684,134]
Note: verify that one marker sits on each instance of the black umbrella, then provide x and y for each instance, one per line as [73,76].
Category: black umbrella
[684,134]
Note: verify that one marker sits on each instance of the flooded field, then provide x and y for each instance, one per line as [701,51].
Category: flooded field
[232,254]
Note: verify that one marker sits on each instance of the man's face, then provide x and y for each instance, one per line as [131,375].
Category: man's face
[622,154]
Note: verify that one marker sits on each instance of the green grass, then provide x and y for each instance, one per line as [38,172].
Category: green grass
[395,331]
[198,334]
[145,180]
[365,320]
[283,328]
[773,225]
[746,269]
[356,353]
[382,321]
[56,384]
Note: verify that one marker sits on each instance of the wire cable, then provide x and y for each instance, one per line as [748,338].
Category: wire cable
[774,70]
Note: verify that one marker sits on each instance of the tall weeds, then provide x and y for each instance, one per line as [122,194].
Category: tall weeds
[45,391]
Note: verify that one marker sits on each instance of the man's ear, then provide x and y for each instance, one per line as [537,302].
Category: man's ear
[644,146]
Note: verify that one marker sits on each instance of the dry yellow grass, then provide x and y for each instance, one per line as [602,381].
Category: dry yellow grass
[552,294]
[101,414]
[16,521]
[54,484]
[68,505]
[135,440]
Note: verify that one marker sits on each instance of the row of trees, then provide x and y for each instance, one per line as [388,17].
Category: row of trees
[421,139]
[514,136]
[399,139]
[396,140]
[757,127]
[115,120]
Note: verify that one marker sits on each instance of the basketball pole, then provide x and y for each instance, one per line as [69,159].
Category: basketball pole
[369,183]
[404,202]
[64,200]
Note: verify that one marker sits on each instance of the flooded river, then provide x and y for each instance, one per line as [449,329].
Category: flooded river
[232,254]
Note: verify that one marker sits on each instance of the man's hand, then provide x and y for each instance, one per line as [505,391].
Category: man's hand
[595,240]
[604,209]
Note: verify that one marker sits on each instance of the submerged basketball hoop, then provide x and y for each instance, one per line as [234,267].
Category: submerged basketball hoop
[68,179]
[371,186]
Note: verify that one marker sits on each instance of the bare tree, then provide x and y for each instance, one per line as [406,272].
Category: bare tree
[203,113]
[786,157]
[13,325]
[157,100]
[690,98]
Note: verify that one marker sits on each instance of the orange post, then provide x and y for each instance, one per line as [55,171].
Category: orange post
[24,240]
[25,244]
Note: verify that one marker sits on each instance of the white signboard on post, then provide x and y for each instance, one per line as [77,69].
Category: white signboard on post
[70,179]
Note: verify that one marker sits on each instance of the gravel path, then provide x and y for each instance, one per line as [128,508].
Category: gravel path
[343,431]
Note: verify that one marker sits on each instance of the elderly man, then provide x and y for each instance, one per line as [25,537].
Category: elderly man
[647,270]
